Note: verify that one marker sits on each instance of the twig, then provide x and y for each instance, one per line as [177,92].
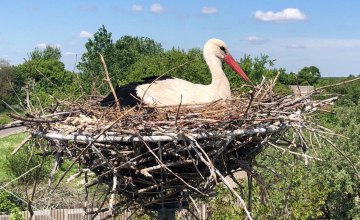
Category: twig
[177,112]
[342,154]
[145,171]
[227,184]
[13,124]
[20,145]
[118,104]
[295,153]
[17,96]
[38,120]
[195,205]
[250,102]
[336,84]
[270,88]
[112,196]
[22,175]
[155,185]
[206,161]
[10,107]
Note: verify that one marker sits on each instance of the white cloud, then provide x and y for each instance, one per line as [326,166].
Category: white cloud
[255,40]
[136,7]
[208,10]
[68,53]
[296,46]
[156,8]
[41,45]
[284,15]
[85,34]
[44,45]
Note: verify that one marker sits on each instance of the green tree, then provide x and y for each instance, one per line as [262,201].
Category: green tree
[340,175]
[178,63]
[309,75]
[130,49]
[90,65]
[7,77]
[349,94]
[43,77]
[50,52]
[258,67]
[288,79]
[119,57]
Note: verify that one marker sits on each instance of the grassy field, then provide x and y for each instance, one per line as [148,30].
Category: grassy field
[7,144]
[4,119]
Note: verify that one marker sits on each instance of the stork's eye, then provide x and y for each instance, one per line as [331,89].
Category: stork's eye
[223,49]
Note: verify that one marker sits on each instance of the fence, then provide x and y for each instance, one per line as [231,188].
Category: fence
[64,214]
[77,214]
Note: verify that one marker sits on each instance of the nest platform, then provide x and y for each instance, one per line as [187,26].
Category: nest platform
[162,157]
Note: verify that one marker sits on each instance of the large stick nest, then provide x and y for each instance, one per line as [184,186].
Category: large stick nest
[156,157]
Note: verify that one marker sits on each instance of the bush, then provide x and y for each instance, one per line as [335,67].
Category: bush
[25,159]
[16,214]
[8,203]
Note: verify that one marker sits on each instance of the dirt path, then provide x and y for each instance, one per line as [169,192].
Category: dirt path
[10,131]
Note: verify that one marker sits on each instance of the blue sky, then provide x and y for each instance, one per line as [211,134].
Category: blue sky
[297,33]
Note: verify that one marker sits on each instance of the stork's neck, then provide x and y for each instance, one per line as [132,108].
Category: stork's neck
[219,82]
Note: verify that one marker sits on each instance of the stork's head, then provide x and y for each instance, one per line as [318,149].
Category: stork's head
[220,50]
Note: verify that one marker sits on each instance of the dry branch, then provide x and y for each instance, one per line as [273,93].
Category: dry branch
[109,82]
[20,145]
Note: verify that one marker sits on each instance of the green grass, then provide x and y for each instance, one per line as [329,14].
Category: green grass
[7,144]
[4,119]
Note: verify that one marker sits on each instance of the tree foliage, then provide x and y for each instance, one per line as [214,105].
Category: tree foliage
[119,57]
[342,164]
[7,77]
[288,79]
[327,189]
[349,94]
[26,158]
[258,67]
[91,69]
[44,77]
[178,63]
[130,49]
[50,52]
[306,76]
[8,202]
[309,75]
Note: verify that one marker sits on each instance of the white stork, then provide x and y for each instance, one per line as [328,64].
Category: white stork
[170,91]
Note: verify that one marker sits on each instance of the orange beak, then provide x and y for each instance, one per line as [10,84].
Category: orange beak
[233,64]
